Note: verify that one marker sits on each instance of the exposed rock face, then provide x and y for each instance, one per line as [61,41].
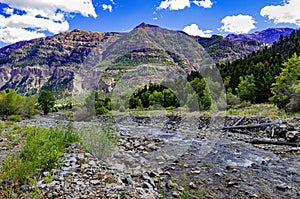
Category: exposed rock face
[268,36]
[224,49]
[30,79]
[47,63]
[52,62]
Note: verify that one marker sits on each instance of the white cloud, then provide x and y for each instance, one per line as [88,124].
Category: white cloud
[182,4]
[204,3]
[286,13]
[11,35]
[8,11]
[39,16]
[238,24]
[194,30]
[107,7]
[49,7]
[174,4]
[28,21]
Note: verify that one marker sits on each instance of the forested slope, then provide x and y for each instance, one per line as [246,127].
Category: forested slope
[264,65]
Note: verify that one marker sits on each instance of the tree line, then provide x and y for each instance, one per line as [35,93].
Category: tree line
[265,65]
[12,103]
[268,75]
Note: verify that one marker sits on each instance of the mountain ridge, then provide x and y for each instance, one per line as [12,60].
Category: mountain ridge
[268,36]
[50,62]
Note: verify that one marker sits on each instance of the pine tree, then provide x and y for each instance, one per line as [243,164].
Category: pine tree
[285,89]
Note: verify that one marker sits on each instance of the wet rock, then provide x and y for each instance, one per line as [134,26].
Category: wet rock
[283,187]
[195,172]
[169,184]
[292,136]
[146,185]
[192,185]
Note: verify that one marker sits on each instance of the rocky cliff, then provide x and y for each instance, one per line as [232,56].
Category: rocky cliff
[51,62]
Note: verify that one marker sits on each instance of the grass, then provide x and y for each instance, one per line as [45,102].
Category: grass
[257,109]
[41,151]
[67,114]
[15,118]
[5,124]
[100,141]
[188,193]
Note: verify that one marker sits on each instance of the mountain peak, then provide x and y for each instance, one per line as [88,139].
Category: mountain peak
[144,25]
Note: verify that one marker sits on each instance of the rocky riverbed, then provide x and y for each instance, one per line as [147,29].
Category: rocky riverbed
[163,156]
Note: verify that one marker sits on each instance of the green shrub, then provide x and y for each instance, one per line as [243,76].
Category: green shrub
[100,141]
[102,111]
[15,118]
[67,114]
[122,108]
[12,103]
[41,152]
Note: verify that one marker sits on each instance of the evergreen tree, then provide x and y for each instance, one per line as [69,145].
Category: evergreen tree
[286,88]
[265,65]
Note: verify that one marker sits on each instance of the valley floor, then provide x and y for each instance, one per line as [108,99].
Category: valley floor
[170,156]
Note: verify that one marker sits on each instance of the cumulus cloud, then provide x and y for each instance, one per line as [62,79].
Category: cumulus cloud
[204,4]
[29,19]
[238,24]
[107,7]
[182,4]
[174,4]
[286,13]
[10,35]
[194,30]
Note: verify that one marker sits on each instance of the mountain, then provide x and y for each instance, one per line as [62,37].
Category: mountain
[264,65]
[224,49]
[268,36]
[77,59]
[47,63]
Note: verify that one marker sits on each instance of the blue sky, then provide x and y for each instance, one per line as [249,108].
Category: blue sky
[28,19]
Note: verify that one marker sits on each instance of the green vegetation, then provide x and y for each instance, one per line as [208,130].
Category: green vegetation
[46,100]
[187,192]
[12,103]
[193,94]
[248,109]
[4,125]
[151,95]
[100,141]
[246,89]
[286,89]
[148,56]
[222,49]
[268,75]
[265,65]
[41,152]
[15,118]
[102,105]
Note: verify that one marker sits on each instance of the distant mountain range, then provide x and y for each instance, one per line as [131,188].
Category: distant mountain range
[268,36]
[51,62]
